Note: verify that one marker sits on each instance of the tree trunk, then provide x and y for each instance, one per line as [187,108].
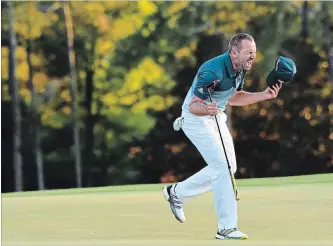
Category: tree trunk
[39,157]
[326,40]
[35,124]
[305,26]
[17,157]
[71,56]
[89,125]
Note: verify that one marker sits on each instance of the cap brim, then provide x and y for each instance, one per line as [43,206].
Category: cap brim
[272,79]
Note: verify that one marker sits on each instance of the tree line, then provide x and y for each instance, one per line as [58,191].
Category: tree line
[90,90]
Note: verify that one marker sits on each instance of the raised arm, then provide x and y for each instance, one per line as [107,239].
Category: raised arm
[244,98]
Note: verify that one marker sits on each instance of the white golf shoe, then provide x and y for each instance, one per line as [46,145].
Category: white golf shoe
[175,203]
[233,233]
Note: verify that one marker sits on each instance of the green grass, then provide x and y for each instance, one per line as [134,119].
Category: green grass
[275,211]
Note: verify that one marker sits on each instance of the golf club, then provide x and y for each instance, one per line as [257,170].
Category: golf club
[233,181]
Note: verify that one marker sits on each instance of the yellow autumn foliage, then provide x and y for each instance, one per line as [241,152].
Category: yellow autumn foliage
[65,96]
[141,106]
[103,46]
[4,63]
[50,117]
[147,72]
[183,52]
[156,102]
[40,78]
[134,93]
[110,99]
[125,26]
[147,7]
[21,64]
[233,16]
[169,100]
[177,6]
[30,22]
[128,99]
[40,81]
[66,110]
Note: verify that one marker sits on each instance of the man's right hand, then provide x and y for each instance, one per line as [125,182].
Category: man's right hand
[212,108]
[199,108]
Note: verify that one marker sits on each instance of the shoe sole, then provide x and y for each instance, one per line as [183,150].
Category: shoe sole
[166,195]
[219,237]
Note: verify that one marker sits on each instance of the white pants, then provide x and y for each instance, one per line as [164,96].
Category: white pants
[203,133]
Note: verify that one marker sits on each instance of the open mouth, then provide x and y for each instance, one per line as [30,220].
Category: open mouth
[248,63]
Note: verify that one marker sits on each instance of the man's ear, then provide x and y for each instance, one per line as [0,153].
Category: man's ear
[233,52]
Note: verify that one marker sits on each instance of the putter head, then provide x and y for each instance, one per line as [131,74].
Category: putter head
[237,196]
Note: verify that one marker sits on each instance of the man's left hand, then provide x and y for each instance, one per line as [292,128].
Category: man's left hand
[271,93]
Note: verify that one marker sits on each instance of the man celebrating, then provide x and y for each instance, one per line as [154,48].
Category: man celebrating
[226,72]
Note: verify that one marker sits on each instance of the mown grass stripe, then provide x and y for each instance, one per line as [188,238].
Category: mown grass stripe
[262,182]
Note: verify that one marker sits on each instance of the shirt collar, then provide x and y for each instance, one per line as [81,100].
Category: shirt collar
[230,69]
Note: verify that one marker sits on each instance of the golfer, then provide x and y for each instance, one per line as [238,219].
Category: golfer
[226,72]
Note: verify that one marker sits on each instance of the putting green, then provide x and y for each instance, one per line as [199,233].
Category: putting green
[292,210]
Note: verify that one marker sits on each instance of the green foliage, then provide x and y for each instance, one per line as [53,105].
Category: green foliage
[142,57]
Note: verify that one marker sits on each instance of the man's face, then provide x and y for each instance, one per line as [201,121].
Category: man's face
[245,57]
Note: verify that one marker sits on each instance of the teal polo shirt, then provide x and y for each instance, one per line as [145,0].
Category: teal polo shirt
[218,68]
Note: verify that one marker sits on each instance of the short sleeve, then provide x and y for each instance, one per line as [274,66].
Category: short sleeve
[204,78]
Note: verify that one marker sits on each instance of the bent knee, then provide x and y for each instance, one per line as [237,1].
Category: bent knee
[221,166]
[219,171]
